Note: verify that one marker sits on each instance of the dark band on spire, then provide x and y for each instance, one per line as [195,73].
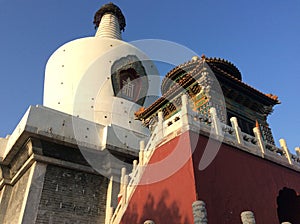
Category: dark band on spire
[110,8]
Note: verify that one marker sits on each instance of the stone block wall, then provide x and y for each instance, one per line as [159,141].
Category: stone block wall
[47,182]
[71,196]
[16,198]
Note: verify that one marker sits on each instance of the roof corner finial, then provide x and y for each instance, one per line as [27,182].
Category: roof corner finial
[270,95]
[256,124]
[195,58]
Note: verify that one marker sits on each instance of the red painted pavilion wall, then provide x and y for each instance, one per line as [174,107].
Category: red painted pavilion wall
[234,182]
[237,181]
[169,200]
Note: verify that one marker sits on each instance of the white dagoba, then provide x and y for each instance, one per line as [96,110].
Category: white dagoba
[79,79]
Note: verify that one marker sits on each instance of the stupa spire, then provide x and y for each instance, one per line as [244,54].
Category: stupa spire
[109,21]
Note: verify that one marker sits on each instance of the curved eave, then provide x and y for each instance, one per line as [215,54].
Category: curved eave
[188,67]
[164,99]
[174,73]
[243,86]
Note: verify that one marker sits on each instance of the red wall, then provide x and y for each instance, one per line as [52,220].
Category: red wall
[237,181]
[234,182]
[170,199]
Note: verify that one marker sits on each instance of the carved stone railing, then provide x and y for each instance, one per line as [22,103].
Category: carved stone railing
[127,187]
[273,149]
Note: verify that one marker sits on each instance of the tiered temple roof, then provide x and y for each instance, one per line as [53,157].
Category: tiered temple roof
[185,75]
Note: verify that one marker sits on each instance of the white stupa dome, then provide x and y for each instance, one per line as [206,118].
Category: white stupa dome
[101,78]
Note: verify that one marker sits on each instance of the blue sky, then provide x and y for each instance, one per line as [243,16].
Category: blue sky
[262,38]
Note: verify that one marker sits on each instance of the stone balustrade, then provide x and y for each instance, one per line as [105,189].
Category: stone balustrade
[247,217]
[199,212]
[149,222]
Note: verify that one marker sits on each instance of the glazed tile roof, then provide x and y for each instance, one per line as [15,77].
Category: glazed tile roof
[186,74]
